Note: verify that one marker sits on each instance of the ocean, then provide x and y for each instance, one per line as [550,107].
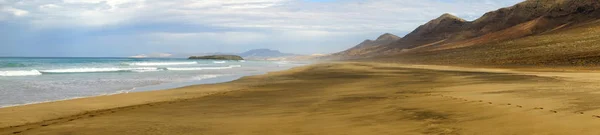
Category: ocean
[34,80]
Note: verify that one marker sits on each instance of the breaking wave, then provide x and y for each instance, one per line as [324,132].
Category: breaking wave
[203,68]
[97,70]
[105,70]
[20,73]
[160,63]
[203,77]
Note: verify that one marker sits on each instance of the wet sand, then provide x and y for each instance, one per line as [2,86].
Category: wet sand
[337,98]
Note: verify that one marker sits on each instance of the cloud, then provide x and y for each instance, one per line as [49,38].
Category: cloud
[213,25]
[270,14]
[15,11]
[49,6]
[224,38]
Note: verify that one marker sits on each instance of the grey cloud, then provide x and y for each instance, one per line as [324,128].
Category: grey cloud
[202,25]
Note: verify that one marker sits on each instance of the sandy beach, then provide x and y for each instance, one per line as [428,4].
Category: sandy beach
[337,98]
[300,67]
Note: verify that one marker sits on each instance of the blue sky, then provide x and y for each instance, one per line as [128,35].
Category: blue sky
[100,28]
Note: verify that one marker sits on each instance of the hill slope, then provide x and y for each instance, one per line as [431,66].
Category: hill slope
[576,46]
[367,46]
[485,40]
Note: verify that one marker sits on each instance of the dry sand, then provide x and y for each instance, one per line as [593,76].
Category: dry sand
[337,98]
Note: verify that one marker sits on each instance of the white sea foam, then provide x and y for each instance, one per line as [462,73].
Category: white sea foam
[242,60]
[202,77]
[197,68]
[125,91]
[203,68]
[94,70]
[147,70]
[234,66]
[219,62]
[20,73]
[282,62]
[160,63]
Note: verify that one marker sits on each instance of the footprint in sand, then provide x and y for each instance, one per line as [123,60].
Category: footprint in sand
[489,102]
[509,104]
[553,111]
[519,106]
[579,112]
[539,108]
[596,116]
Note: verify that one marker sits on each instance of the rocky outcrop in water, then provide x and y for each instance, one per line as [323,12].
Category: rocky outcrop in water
[218,57]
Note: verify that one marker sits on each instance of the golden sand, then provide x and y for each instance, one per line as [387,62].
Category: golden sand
[337,98]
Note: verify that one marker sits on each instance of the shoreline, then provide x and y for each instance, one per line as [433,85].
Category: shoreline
[430,67]
[157,87]
[148,90]
[81,101]
[210,79]
[65,79]
[334,92]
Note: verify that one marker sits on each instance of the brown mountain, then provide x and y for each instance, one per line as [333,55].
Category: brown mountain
[525,20]
[439,29]
[367,46]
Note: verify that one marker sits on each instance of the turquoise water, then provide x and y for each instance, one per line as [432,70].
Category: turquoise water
[34,80]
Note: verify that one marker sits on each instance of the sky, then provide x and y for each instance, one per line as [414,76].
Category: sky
[119,28]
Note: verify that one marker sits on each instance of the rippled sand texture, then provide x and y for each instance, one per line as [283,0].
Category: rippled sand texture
[337,98]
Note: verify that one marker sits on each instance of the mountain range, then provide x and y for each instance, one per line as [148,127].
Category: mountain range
[255,54]
[533,32]
[263,54]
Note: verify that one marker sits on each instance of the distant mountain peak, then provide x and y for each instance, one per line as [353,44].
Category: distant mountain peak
[435,30]
[264,53]
[444,20]
[387,36]
[448,16]
[264,49]
[527,18]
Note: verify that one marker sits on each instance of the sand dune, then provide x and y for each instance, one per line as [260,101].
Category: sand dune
[337,98]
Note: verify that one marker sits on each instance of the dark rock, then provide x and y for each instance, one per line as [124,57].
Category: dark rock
[218,57]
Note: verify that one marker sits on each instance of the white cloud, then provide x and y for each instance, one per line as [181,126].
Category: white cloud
[49,6]
[241,22]
[221,38]
[15,11]
[351,15]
